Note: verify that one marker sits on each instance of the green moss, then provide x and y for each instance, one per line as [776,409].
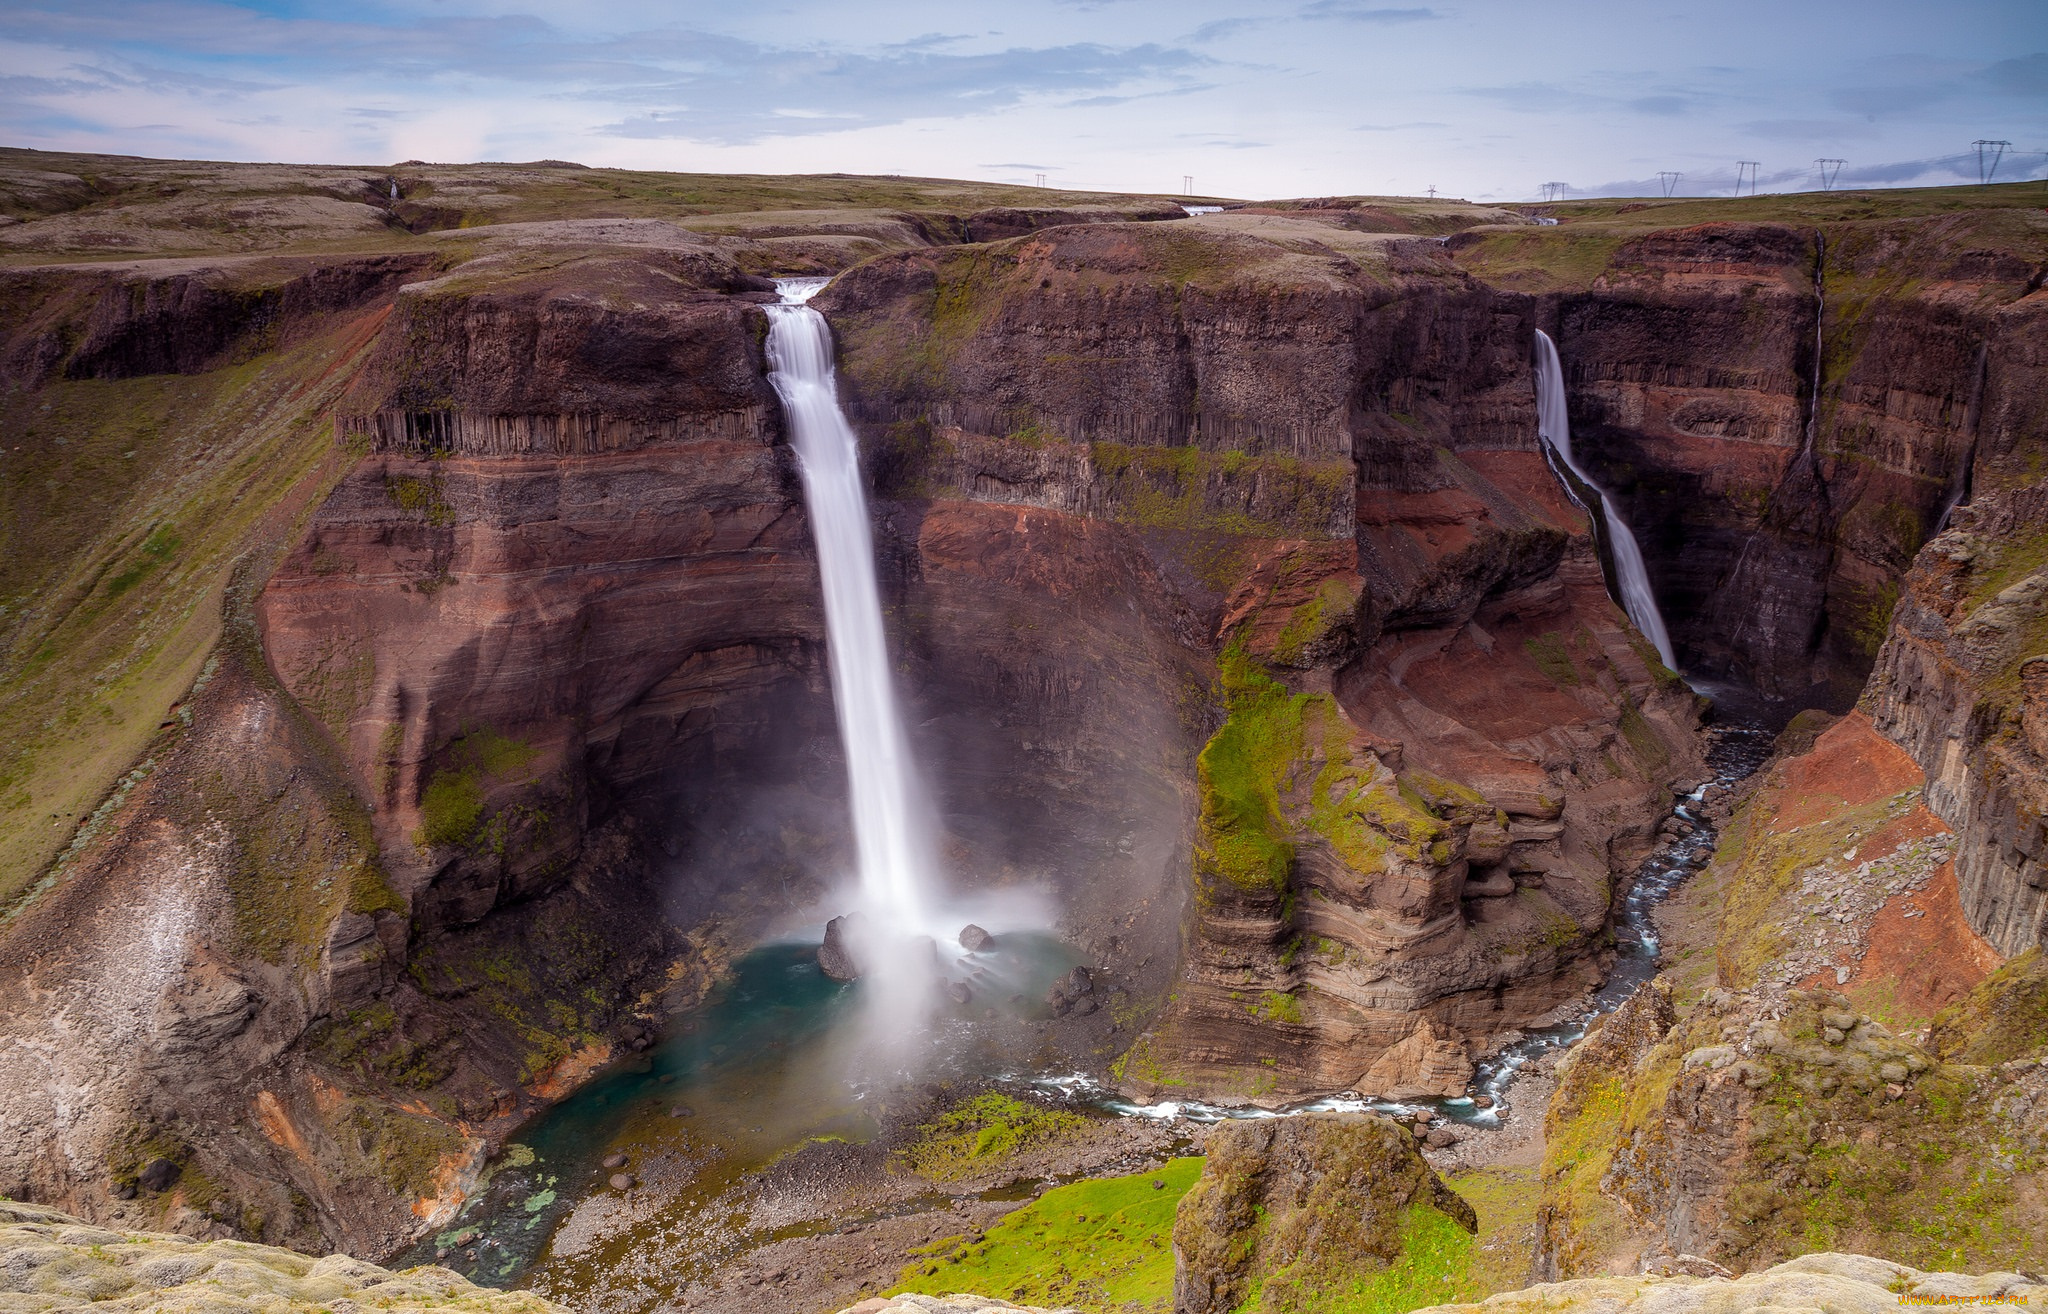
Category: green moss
[981,1133]
[1553,659]
[1649,749]
[420,496]
[1873,621]
[451,810]
[452,805]
[158,548]
[1240,775]
[1433,1268]
[1278,1006]
[1312,620]
[404,1150]
[2004,1018]
[1282,763]
[1103,1246]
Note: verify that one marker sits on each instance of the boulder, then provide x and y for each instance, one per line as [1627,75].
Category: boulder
[1289,1207]
[1430,1061]
[835,956]
[974,940]
[159,1175]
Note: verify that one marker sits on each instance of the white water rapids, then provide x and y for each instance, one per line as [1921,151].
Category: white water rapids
[1554,426]
[892,837]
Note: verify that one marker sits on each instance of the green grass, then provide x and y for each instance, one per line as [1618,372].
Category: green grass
[1103,1246]
[120,516]
[1434,1268]
[981,1133]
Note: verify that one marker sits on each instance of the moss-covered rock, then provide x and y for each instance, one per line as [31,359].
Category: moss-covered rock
[52,1261]
[1311,1212]
[1841,1284]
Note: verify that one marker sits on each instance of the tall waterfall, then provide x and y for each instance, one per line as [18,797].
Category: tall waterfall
[893,839]
[1554,426]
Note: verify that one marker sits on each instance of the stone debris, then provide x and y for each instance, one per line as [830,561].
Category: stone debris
[51,1261]
[1839,1284]
[1835,902]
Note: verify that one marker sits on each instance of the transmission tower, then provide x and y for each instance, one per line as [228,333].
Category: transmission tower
[1989,153]
[1432,191]
[1038,180]
[1669,179]
[1742,168]
[1187,184]
[1829,171]
[1554,191]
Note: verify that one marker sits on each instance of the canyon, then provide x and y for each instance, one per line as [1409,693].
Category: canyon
[417,690]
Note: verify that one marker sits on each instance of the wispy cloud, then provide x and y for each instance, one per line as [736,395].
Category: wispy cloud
[1354,11]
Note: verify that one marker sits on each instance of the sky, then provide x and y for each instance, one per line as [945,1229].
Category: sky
[1483,99]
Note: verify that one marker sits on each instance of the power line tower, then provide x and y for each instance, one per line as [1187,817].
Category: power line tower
[1554,191]
[1989,153]
[1432,191]
[1669,179]
[1187,184]
[1745,168]
[1829,171]
[1038,180]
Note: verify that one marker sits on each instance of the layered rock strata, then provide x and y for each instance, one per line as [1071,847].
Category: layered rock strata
[1962,685]
[1786,413]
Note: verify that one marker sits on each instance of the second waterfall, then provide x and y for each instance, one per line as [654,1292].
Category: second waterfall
[1632,577]
[892,834]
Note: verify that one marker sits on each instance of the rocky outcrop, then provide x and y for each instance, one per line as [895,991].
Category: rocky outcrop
[52,1261]
[1751,1132]
[1290,1208]
[1960,685]
[1852,1284]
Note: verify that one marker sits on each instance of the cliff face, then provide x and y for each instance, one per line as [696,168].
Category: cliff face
[1962,685]
[1325,441]
[1238,615]
[1785,412]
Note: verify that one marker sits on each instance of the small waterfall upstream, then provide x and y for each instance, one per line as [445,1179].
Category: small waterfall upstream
[891,834]
[1553,425]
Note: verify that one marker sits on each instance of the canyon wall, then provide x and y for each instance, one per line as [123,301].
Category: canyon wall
[1239,617]
[1785,413]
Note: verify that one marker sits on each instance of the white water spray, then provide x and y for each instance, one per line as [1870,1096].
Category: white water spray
[1554,426]
[893,839]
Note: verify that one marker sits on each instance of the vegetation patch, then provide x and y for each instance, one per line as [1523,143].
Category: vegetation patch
[1553,659]
[2003,1019]
[981,1133]
[1103,1246]
[452,805]
[1433,1268]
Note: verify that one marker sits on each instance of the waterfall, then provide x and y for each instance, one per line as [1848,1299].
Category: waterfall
[892,837]
[1553,425]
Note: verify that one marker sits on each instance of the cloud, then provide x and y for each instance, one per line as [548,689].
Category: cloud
[826,90]
[1397,127]
[1352,11]
[1809,130]
[2024,76]
[1665,106]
